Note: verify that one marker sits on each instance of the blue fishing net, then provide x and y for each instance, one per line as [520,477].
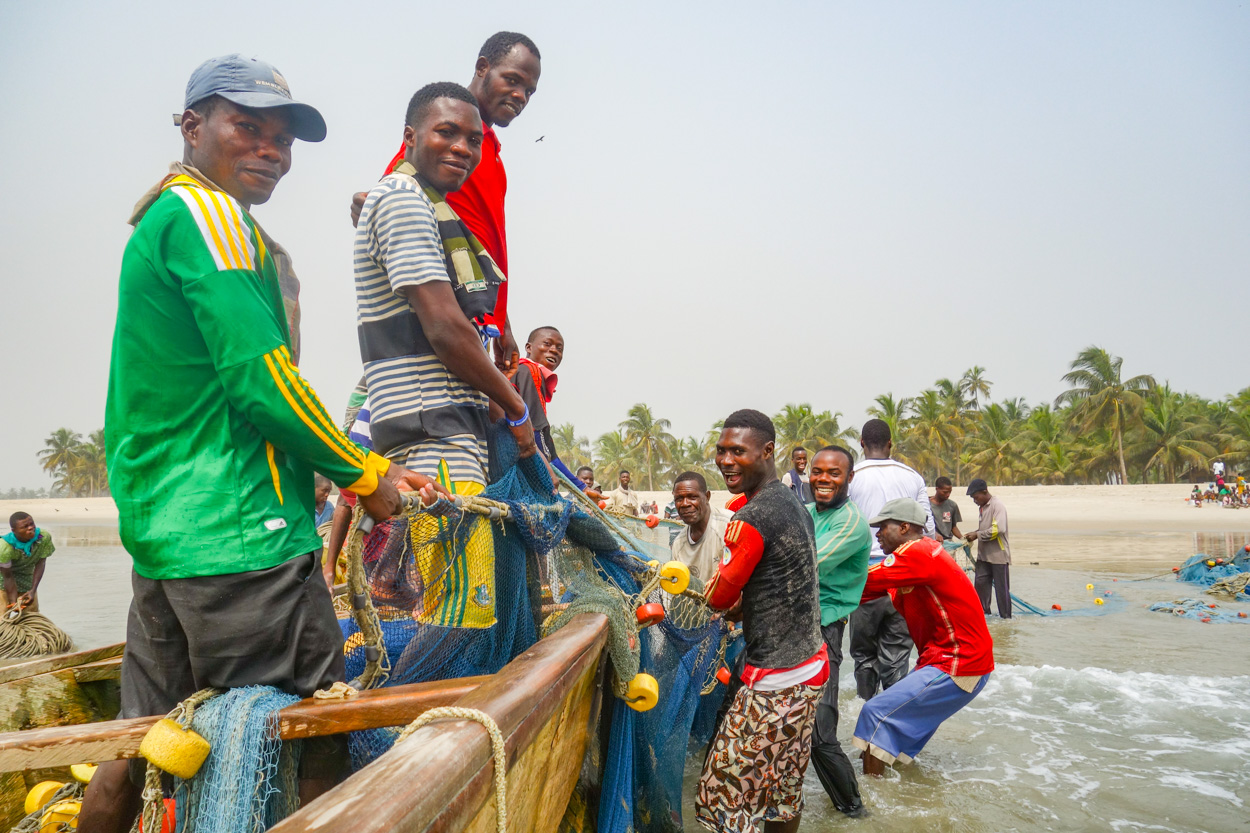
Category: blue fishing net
[587,561]
[1205,570]
[249,781]
[1204,610]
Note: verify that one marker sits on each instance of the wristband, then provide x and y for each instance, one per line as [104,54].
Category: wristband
[518,423]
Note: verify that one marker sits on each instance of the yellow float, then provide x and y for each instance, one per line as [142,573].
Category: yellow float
[675,577]
[59,816]
[1097,601]
[82,772]
[1089,587]
[175,750]
[41,794]
[643,693]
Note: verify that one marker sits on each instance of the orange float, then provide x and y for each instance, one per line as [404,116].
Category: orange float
[723,676]
[652,521]
[649,614]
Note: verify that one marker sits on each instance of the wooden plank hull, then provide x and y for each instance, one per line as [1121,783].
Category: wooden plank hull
[546,703]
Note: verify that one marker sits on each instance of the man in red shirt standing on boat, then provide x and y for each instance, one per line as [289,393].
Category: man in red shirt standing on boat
[753,775]
[945,619]
[504,79]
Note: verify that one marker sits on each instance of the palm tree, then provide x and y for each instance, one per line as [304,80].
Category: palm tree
[799,425]
[60,449]
[1102,397]
[975,385]
[1172,433]
[572,449]
[91,466]
[933,433]
[613,453]
[892,411]
[993,447]
[650,436]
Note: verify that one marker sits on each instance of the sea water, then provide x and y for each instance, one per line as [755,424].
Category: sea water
[1098,718]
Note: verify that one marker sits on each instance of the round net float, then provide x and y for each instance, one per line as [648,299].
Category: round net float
[643,693]
[724,675]
[1097,601]
[603,504]
[1210,563]
[60,816]
[652,521]
[170,822]
[178,751]
[82,772]
[1056,607]
[1089,587]
[41,794]
[675,577]
[649,614]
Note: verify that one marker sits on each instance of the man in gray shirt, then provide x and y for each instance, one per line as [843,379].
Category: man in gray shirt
[993,549]
[945,511]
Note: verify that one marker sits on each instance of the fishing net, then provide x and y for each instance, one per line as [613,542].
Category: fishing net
[1201,609]
[464,592]
[1206,570]
[248,783]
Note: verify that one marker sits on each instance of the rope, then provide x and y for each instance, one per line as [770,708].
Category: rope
[31,823]
[339,691]
[497,747]
[31,634]
[153,815]
[1230,585]
[730,634]
[377,663]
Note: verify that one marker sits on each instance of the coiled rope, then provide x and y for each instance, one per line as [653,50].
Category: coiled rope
[31,634]
[153,816]
[496,744]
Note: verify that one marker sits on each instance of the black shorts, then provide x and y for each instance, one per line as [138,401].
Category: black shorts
[272,627]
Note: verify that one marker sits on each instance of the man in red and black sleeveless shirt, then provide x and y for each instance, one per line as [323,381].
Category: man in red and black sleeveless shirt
[754,771]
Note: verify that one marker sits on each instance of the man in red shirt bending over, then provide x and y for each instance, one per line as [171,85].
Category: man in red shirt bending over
[754,770]
[504,79]
[945,619]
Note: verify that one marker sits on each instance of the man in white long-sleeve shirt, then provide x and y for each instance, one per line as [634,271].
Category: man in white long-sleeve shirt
[880,643]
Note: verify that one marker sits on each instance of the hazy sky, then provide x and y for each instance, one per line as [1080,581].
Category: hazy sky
[735,205]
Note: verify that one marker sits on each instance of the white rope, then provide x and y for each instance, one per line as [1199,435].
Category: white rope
[497,746]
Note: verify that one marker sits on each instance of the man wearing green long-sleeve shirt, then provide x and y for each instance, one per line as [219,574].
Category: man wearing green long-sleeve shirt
[213,436]
[843,543]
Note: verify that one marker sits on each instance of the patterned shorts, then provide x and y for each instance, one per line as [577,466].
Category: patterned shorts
[754,772]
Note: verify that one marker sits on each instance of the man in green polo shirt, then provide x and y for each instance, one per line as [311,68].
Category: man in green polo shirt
[212,435]
[843,542]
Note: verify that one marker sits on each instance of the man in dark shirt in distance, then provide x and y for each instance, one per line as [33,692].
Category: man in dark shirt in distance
[946,515]
[753,775]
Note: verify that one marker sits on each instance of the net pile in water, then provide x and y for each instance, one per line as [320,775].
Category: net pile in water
[1205,570]
[432,580]
[1204,610]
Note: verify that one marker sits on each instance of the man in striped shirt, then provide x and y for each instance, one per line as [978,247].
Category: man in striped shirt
[212,434]
[424,288]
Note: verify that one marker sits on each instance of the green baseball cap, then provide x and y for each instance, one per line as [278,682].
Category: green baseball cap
[902,509]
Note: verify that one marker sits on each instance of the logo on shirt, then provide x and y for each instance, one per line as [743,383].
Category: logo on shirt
[889,560]
[274,524]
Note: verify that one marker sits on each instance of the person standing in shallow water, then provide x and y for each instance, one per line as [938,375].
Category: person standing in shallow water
[943,617]
[993,569]
[842,546]
[753,774]
[24,552]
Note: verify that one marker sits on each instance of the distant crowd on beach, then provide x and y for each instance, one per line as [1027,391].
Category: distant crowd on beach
[1231,494]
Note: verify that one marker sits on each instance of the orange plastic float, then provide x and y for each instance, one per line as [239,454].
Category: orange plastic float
[603,504]
[649,614]
[1056,607]
[652,521]
[723,676]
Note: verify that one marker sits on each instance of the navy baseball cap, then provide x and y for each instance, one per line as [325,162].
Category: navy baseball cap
[249,82]
[977,485]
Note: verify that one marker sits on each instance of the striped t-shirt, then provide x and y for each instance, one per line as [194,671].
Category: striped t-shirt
[420,413]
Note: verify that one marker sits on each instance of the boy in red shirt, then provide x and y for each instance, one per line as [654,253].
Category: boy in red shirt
[947,624]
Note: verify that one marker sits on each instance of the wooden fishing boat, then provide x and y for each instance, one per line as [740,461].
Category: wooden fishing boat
[62,690]
[546,703]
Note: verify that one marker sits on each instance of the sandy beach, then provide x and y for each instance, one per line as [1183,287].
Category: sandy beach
[1149,508]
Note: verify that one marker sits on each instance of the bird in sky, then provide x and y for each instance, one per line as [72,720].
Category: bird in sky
[540,138]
